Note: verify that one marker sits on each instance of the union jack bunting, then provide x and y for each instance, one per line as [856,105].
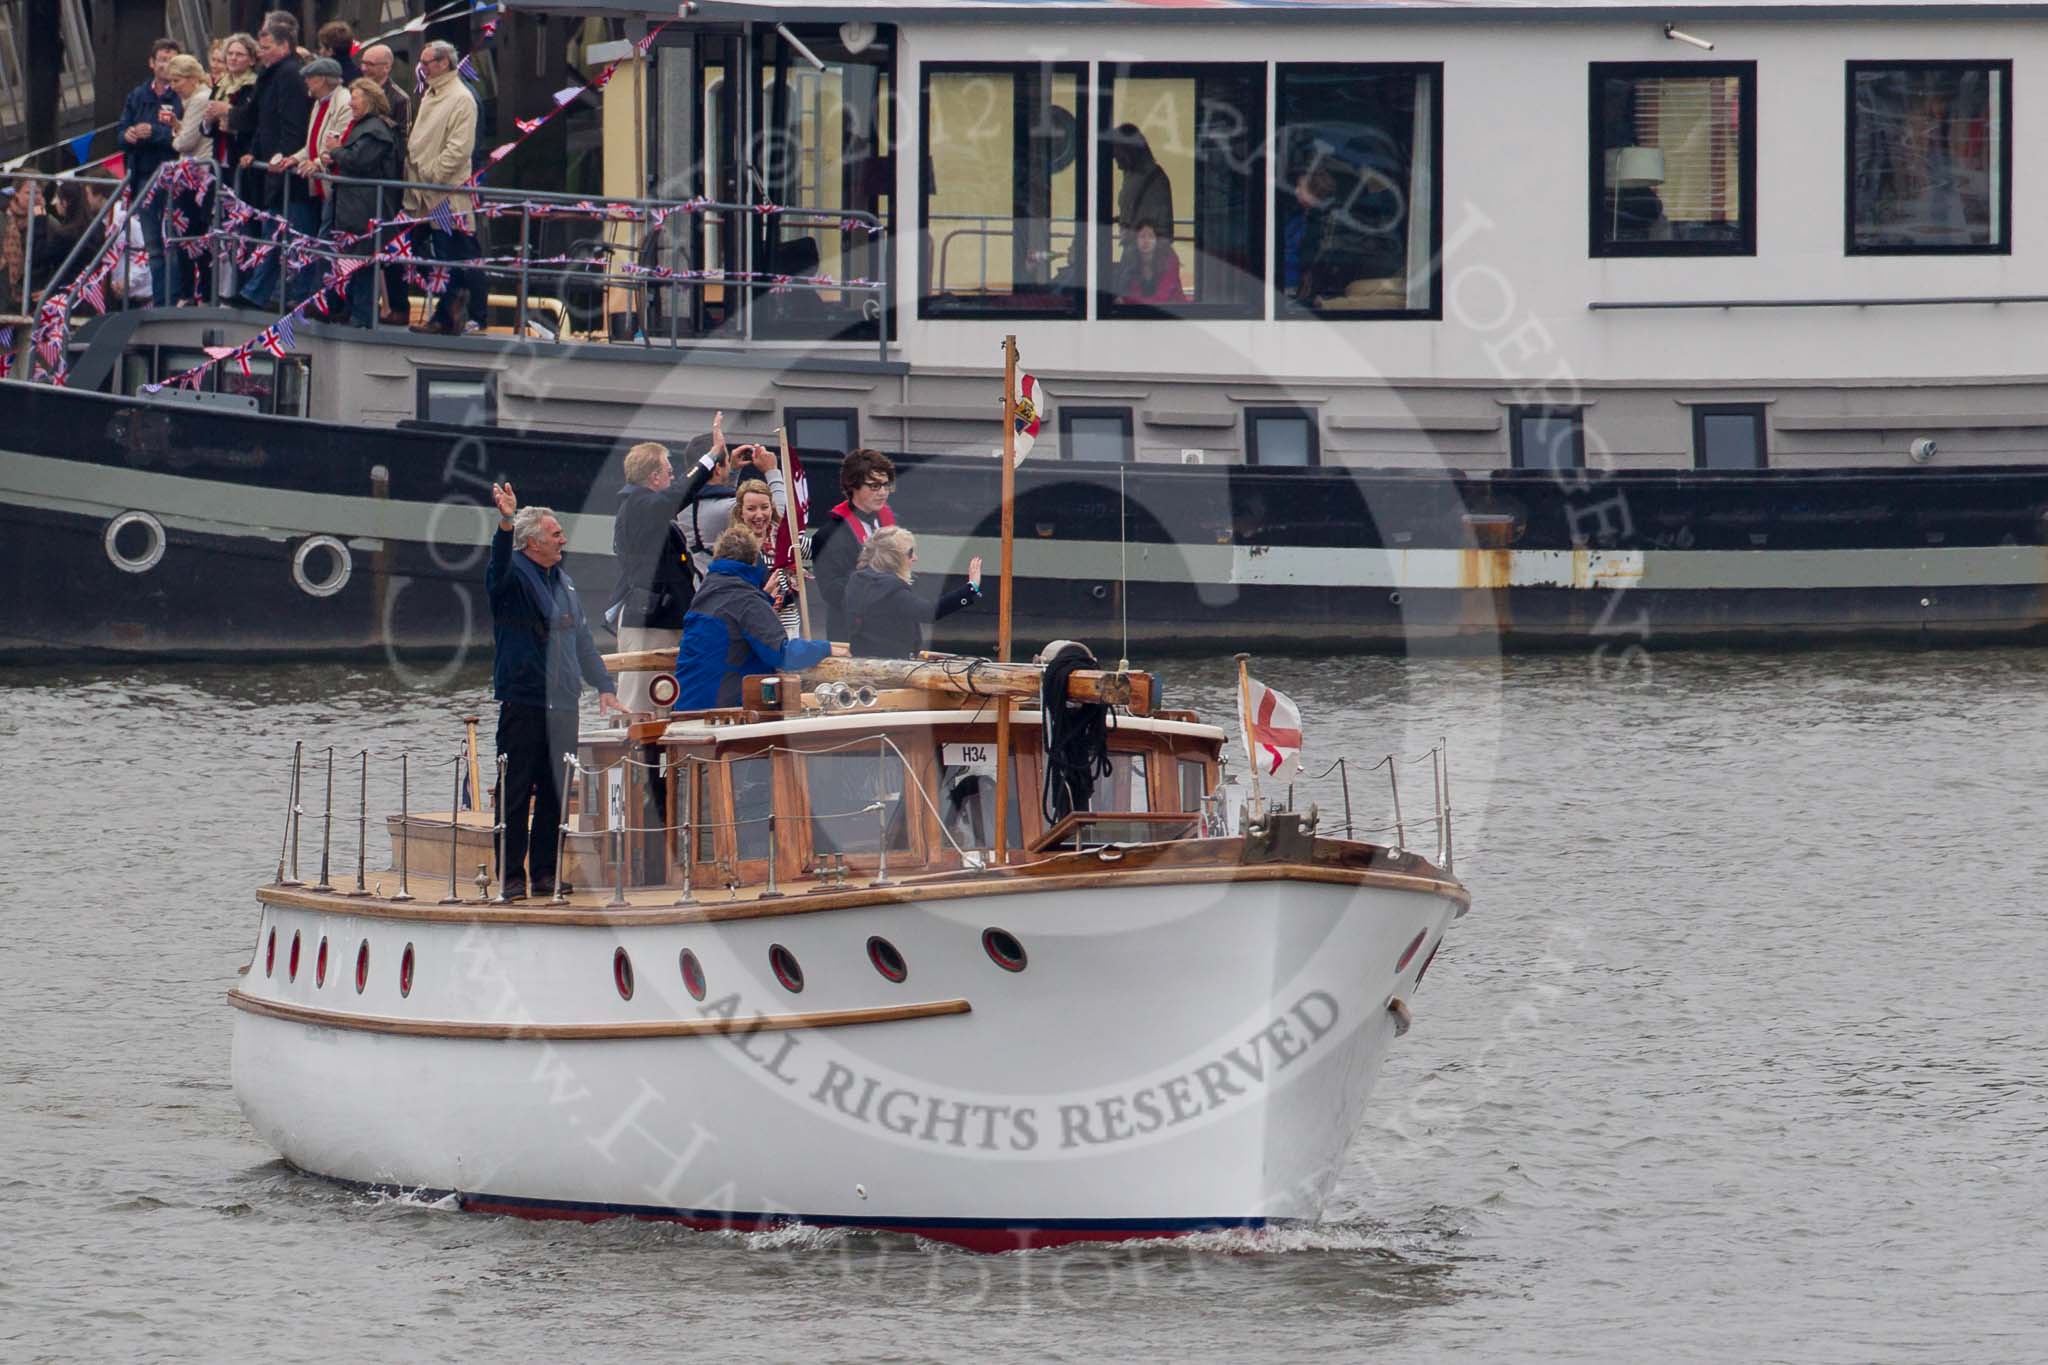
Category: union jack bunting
[467,70]
[442,217]
[94,292]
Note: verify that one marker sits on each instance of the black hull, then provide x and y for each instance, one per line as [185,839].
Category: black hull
[1216,556]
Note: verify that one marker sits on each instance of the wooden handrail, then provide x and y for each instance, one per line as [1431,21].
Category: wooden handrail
[1134,691]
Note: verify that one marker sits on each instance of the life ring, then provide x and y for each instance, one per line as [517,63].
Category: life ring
[344,565]
[150,557]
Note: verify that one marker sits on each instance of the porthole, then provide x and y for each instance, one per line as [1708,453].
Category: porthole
[622,973]
[1408,954]
[320,964]
[405,972]
[887,960]
[783,963]
[362,966]
[134,542]
[1427,960]
[1004,950]
[321,566]
[291,966]
[693,974]
[270,952]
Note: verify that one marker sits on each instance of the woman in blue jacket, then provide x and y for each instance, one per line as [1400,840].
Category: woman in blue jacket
[732,631]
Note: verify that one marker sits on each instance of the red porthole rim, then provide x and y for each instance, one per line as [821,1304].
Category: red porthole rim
[788,971]
[887,959]
[693,973]
[1004,950]
[622,972]
[320,964]
[291,965]
[270,952]
[405,972]
[362,966]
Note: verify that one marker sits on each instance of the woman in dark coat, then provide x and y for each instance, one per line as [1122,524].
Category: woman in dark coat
[369,152]
[885,619]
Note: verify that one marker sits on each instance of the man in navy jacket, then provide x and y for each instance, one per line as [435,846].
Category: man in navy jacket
[283,109]
[544,655]
[149,116]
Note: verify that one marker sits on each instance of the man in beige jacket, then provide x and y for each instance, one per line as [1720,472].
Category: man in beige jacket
[438,152]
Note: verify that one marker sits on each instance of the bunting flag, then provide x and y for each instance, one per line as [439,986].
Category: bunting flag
[81,147]
[1274,736]
[799,513]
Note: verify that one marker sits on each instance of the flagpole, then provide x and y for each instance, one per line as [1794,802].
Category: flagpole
[796,537]
[1003,765]
[1244,716]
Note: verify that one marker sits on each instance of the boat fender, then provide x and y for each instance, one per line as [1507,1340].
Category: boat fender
[334,582]
[153,550]
[1403,1017]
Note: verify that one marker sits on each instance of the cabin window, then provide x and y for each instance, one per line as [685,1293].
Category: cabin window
[844,787]
[1547,438]
[1728,436]
[463,398]
[1357,200]
[278,386]
[1004,194]
[1673,169]
[1280,436]
[1194,783]
[967,796]
[1125,788]
[753,797]
[1930,157]
[822,431]
[1182,191]
[1095,434]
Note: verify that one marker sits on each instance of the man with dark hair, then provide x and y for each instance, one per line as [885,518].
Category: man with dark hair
[283,111]
[867,477]
[543,655]
[149,118]
[338,41]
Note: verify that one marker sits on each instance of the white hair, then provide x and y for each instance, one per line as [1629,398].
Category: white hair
[526,524]
[442,46]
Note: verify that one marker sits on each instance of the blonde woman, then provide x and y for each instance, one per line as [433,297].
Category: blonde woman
[191,142]
[886,619]
[754,507]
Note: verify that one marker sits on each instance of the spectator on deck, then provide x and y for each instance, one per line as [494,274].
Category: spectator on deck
[149,118]
[656,580]
[758,505]
[867,478]
[885,617]
[282,109]
[543,657]
[337,41]
[378,60]
[368,152]
[732,632]
[437,153]
[189,263]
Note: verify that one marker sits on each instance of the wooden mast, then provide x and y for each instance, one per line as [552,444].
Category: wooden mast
[1004,766]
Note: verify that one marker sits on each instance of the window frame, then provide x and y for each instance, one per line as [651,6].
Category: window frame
[1759,413]
[426,376]
[1435,311]
[1084,228]
[851,416]
[1066,416]
[1596,206]
[1254,415]
[1260,178]
[1518,454]
[1850,70]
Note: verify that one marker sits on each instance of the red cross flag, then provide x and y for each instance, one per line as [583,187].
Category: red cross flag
[1272,728]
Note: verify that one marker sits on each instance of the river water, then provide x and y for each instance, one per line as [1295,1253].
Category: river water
[1739,1055]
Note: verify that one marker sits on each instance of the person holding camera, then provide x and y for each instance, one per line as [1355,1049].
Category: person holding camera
[656,579]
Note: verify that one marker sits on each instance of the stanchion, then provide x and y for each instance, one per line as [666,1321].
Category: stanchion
[327,827]
[771,893]
[618,840]
[498,827]
[454,897]
[561,896]
[1400,831]
[291,802]
[298,807]
[363,828]
[404,826]
[689,786]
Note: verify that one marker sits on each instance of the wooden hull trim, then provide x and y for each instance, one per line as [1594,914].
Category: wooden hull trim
[813,902]
[567,1033]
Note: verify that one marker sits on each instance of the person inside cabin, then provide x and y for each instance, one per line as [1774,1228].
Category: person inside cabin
[1145,195]
[732,632]
[886,618]
[1347,229]
[543,657]
[656,579]
[1150,272]
[867,478]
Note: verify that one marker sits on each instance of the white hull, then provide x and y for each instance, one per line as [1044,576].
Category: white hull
[1173,1056]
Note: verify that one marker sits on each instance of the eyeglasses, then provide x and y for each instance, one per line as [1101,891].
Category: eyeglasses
[880,485]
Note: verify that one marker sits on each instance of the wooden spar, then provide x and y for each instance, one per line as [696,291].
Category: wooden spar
[476,777]
[1133,691]
[1244,717]
[797,566]
[1002,830]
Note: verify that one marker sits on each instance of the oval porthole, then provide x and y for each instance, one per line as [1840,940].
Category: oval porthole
[1408,954]
[320,963]
[783,963]
[291,965]
[887,960]
[622,973]
[693,974]
[362,966]
[1427,960]
[405,972]
[270,952]
[1004,950]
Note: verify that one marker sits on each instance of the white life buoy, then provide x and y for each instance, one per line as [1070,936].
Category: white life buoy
[152,553]
[335,581]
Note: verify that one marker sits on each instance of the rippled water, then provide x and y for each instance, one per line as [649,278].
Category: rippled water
[1740,1055]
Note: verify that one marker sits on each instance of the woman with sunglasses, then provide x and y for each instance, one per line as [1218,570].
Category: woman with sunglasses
[886,618]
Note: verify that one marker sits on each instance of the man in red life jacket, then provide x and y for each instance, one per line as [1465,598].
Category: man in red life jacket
[867,478]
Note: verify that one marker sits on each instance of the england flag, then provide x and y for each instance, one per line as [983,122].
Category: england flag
[1273,728]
